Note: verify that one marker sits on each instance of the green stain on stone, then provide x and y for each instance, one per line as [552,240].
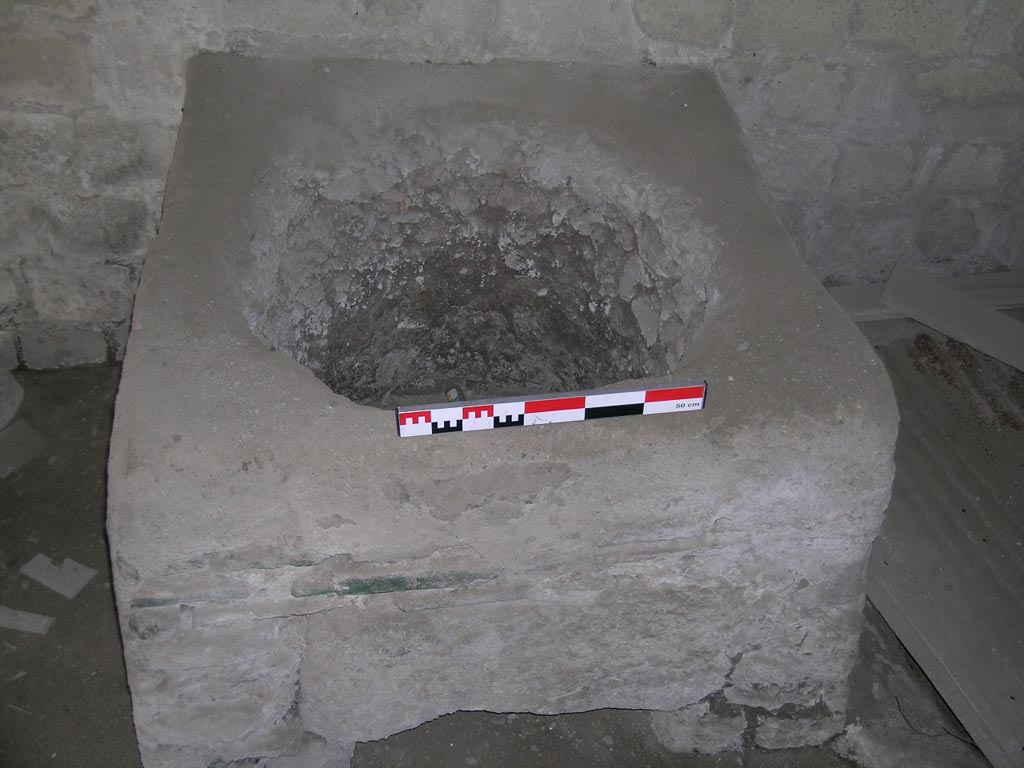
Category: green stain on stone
[380,584]
[375,585]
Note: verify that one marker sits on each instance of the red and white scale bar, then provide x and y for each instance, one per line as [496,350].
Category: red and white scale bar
[547,409]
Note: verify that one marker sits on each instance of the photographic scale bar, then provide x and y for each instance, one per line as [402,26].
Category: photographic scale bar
[437,419]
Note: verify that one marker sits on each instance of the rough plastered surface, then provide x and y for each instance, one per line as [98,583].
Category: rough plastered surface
[884,132]
[469,255]
[292,578]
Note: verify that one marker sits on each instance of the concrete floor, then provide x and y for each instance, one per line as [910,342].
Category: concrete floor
[64,699]
[952,540]
[71,706]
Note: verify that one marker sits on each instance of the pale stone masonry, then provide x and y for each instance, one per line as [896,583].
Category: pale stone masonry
[832,96]
[292,577]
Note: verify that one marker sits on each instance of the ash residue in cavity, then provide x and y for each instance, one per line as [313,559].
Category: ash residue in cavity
[994,391]
[490,283]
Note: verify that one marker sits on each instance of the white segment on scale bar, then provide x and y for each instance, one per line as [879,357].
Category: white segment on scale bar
[671,406]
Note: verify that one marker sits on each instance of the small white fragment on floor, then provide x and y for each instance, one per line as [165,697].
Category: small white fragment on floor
[25,622]
[19,443]
[66,579]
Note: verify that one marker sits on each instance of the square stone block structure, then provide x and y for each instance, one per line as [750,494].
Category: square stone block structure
[339,237]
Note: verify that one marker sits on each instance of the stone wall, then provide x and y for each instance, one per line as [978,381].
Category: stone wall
[885,130]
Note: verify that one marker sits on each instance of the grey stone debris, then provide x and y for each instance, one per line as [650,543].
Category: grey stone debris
[11,395]
[292,577]
[67,579]
[24,621]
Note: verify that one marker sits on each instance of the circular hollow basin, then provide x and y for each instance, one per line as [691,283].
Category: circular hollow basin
[433,276]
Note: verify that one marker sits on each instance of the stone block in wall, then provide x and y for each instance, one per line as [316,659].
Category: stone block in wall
[865,246]
[152,40]
[110,151]
[876,108]
[1013,252]
[743,78]
[8,350]
[969,168]
[18,230]
[807,92]
[702,22]
[320,18]
[793,26]
[63,289]
[802,216]
[107,226]
[43,71]
[925,27]
[572,30]
[972,84]
[61,345]
[62,9]
[17,242]
[948,233]
[9,296]
[1001,28]
[950,123]
[374,29]
[1015,244]
[793,161]
[36,148]
[869,171]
